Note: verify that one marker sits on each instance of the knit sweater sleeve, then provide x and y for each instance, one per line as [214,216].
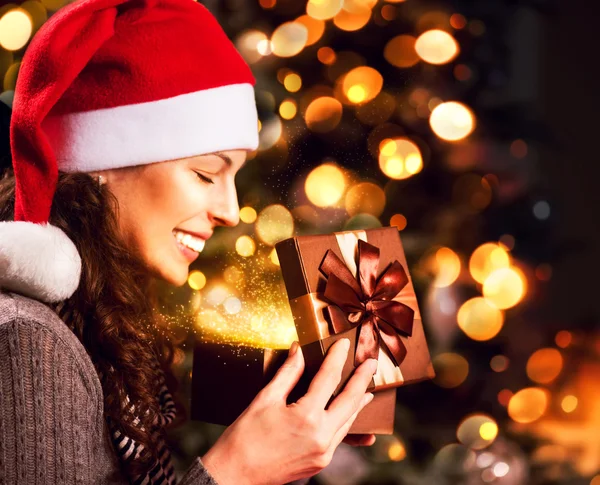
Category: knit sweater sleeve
[52,429]
[49,410]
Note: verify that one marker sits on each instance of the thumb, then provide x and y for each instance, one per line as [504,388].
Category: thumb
[288,375]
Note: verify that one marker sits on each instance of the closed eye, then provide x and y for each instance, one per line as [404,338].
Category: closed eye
[204,178]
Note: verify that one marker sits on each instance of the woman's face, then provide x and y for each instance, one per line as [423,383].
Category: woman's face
[167,210]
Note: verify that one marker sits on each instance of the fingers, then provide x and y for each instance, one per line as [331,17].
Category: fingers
[328,376]
[347,402]
[359,439]
[286,377]
[341,433]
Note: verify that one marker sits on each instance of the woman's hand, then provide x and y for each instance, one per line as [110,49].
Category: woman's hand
[359,439]
[273,443]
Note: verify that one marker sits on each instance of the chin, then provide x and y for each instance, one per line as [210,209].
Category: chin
[175,274]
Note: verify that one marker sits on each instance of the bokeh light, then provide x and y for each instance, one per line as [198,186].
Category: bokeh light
[452,121]
[288,109]
[505,287]
[563,339]
[365,197]
[451,369]
[400,51]
[245,246]
[196,280]
[436,47]
[292,82]
[397,451]
[362,221]
[270,133]
[528,405]
[323,9]
[248,44]
[274,224]
[544,365]
[399,221]
[486,259]
[15,29]
[479,320]
[37,12]
[314,28]
[354,15]
[499,363]
[273,257]
[569,403]
[477,431]
[323,114]
[248,214]
[325,185]
[326,55]
[362,84]
[233,275]
[399,158]
[447,267]
[289,39]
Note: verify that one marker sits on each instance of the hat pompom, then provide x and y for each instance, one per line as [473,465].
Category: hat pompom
[38,260]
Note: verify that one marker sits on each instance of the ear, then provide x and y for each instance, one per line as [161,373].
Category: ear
[38,260]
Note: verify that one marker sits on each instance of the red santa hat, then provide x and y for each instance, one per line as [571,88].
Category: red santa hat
[108,84]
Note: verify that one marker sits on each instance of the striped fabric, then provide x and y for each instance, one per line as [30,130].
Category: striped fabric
[163,471]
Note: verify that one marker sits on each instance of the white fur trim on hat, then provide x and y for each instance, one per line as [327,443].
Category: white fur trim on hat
[207,121]
[38,260]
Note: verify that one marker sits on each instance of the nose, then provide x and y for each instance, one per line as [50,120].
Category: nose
[225,210]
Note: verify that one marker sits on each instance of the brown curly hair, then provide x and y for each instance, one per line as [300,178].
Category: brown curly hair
[113,312]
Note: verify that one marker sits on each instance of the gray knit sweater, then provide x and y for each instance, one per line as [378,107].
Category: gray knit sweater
[52,428]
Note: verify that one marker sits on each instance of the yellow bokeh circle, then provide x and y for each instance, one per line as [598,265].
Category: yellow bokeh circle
[451,369]
[399,158]
[245,246]
[365,198]
[196,280]
[477,431]
[447,269]
[479,320]
[325,185]
[528,405]
[486,259]
[248,214]
[274,224]
[505,287]
[362,84]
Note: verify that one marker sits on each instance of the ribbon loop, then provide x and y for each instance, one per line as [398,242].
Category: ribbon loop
[367,301]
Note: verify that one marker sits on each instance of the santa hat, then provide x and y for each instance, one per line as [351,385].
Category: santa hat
[108,84]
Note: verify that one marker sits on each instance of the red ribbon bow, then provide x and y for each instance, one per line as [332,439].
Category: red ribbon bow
[367,301]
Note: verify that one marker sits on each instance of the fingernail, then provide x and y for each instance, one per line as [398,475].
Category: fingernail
[374,365]
[346,343]
[293,348]
[370,397]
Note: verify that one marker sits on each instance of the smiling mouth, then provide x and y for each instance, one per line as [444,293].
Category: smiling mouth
[191,242]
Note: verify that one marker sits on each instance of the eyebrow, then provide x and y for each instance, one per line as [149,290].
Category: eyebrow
[227,159]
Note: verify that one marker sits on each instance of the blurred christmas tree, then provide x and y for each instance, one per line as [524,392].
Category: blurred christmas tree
[417,115]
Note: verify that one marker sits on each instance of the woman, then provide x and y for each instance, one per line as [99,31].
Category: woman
[130,121]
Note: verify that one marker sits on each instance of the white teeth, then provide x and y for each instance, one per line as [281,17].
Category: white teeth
[192,242]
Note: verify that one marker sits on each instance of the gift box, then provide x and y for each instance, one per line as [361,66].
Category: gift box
[328,303]
[227,377]
[358,280]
